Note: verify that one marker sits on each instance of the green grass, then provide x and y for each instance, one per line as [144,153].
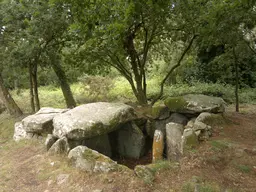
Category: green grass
[219,145]
[205,187]
[244,168]
[120,90]
[6,126]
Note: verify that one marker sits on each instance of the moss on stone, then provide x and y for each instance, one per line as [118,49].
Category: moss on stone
[175,103]
[156,111]
[94,156]
[215,119]
[144,173]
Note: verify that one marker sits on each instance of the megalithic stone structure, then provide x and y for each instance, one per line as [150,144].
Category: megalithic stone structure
[158,146]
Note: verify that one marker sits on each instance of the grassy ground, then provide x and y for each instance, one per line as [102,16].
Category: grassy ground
[227,162]
[224,163]
[118,89]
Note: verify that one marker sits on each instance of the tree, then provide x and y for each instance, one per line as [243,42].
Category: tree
[38,27]
[123,35]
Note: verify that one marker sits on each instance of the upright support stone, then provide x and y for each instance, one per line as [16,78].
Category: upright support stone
[174,141]
[158,146]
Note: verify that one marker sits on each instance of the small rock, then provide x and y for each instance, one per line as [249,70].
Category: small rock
[198,133]
[89,160]
[20,133]
[160,111]
[190,139]
[178,118]
[239,153]
[144,173]
[61,146]
[97,190]
[190,124]
[62,178]
[49,182]
[199,126]
[50,140]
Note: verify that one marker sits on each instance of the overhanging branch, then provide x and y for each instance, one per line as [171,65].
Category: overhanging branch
[172,69]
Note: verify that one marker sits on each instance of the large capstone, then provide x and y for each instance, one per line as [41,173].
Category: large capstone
[90,120]
[41,122]
[194,104]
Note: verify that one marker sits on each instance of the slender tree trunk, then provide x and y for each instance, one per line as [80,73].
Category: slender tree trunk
[32,102]
[236,80]
[70,101]
[10,104]
[35,86]
[141,93]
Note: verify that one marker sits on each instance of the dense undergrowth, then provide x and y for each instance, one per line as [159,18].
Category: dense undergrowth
[93,89]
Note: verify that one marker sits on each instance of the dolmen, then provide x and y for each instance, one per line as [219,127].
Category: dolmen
[93,134]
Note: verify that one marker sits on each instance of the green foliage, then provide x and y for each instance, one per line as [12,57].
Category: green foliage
[205,187]
[244,168]
[219,145]
[6,127]
[96,86]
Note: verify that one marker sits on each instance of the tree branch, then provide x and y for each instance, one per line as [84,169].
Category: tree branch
[172,69]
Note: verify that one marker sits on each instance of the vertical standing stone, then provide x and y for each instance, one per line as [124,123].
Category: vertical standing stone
[131,141]
[158,146]
[174,141]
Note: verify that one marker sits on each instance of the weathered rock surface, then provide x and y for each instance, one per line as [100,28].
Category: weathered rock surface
[160,111]
[49,141]
[89,160]
[20,133]
[210,118]
[41,122]
[145,173]
[131,141]
[61,146]
[178,118]
[158,124]
[158,146]
[174,141]
[90,120]
[189,139]
[99,143]
[193,104]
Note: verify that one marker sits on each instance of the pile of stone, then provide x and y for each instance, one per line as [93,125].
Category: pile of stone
[93,133]
[109,129]
[179,123]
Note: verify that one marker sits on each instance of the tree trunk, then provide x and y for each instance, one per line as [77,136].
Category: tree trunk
[32,102]
[70,101]
[9,103]
[236,80]
[141,92]
[35,86]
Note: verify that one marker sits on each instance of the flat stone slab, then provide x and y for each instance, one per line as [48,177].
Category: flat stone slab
[41,121]
[89,160]
[93,119]
[194,104]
